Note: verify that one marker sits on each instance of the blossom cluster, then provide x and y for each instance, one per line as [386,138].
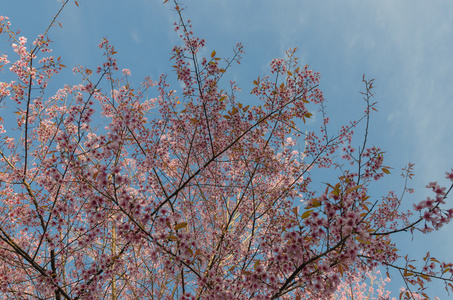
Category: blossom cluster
[206,194]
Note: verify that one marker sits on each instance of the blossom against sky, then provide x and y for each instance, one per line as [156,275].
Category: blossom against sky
[405,45]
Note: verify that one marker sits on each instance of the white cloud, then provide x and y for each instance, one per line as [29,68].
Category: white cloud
[135,35]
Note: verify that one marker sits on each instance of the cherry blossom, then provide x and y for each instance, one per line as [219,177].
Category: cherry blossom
[200,193]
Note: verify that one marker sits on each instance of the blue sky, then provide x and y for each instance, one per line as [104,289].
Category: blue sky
[405,45]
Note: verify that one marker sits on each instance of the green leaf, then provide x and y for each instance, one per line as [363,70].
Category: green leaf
[352,189]
[362,241]
[407,274]
[257,263]
[315,203]
[426,277]
[172,237]
[180,225]
[306,214]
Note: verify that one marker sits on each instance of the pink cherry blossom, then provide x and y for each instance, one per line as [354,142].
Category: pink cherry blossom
[198,192]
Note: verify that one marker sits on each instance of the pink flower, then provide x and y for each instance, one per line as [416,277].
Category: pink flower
[127,72]
[420,206]
[439,190]
[449,175]
[440,199]
[428,216]
[431,184]
[429,203]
